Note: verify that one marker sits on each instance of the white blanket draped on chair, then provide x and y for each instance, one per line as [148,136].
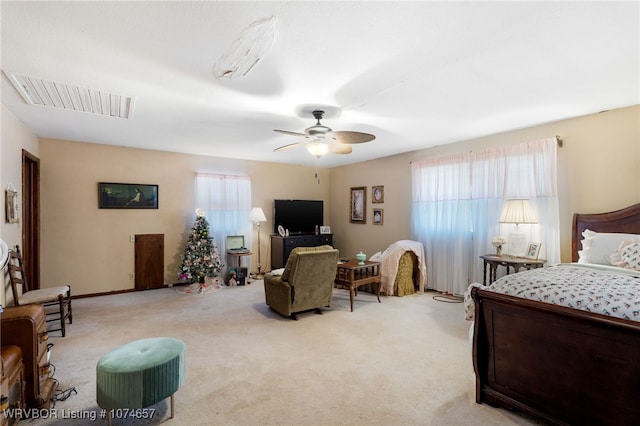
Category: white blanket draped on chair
[389,263]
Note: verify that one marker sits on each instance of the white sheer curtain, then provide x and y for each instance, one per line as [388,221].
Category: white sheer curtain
[441,220]
[226,201]
[465,193]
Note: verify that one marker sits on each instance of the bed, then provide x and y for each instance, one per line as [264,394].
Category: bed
[561,364]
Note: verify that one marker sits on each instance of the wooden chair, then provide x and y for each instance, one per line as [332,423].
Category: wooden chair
[58,297]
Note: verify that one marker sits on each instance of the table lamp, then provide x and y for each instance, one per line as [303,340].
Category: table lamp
[517,211]
[256,216]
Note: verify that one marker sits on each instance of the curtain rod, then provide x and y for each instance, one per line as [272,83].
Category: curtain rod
[558,140]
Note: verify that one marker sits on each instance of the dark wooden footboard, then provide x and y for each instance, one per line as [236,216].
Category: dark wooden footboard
[563,365]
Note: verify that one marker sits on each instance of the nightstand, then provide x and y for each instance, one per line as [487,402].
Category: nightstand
[493,261]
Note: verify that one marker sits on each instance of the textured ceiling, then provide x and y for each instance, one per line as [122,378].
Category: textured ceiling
[415,74]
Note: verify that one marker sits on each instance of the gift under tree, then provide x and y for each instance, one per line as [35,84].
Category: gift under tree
[200,258]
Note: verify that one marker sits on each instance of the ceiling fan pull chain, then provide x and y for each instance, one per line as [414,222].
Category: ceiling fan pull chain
[316,175]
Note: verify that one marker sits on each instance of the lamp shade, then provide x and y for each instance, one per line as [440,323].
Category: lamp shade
[257,215]
[518,211]
[317,148]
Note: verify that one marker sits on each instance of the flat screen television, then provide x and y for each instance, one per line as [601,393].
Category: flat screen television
[298,216]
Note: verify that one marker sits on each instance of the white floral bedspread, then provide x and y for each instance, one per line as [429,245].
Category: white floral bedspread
[595,288]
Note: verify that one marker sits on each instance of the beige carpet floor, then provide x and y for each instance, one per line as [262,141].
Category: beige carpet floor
[405,361]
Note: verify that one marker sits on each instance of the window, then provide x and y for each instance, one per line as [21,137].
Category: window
[457,201]
[226,201]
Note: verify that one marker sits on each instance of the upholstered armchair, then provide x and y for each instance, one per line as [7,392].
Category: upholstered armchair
[305,284]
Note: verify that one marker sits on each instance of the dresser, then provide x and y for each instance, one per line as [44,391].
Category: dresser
[12,384]
[25,327]
[281,246]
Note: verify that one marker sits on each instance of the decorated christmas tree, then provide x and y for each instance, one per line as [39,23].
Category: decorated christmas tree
[200,258]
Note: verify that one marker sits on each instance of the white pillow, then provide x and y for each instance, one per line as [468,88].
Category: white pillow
[277,272]
[627,255]
[597,247]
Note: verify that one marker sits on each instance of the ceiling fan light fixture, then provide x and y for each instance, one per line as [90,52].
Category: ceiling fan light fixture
[317,149]
[318,131]
[321,139]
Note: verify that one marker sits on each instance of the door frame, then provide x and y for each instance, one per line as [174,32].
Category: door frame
[31,218]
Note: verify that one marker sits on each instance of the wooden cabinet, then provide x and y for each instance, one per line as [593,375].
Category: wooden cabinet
[281,246]
[149,262]
[25,327]
[12,387]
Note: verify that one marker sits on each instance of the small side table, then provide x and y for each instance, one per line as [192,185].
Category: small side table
[353,275]
[493,261]
[239,256]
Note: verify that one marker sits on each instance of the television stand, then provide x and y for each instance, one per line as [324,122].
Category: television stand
[281,246]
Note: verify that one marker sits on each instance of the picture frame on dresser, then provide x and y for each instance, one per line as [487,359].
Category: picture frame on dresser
[533,251]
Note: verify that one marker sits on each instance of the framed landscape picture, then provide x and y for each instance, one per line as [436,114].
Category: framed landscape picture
[127,196]
[358,205]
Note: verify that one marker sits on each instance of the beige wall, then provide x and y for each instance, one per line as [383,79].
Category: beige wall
[394,173]
[15,137]
[90,247]
[598,170]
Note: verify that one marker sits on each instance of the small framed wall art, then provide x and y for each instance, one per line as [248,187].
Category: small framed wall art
[127,196]
[377,216]
[11,205]
[377,194]
[358,205]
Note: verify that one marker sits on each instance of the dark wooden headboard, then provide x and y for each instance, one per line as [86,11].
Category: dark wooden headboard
[626,221]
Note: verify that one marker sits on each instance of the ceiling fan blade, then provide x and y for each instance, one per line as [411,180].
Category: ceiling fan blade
[340,148]
[286,132]
[289,146]
[352,137]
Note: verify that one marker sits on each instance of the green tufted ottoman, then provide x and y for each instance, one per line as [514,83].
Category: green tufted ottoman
[140,374]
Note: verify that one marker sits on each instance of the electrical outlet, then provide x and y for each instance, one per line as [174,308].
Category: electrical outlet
[132,276]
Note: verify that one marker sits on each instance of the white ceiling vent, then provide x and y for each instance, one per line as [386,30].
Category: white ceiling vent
[36,91]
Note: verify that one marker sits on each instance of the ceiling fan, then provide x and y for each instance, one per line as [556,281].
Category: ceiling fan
[321,139]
